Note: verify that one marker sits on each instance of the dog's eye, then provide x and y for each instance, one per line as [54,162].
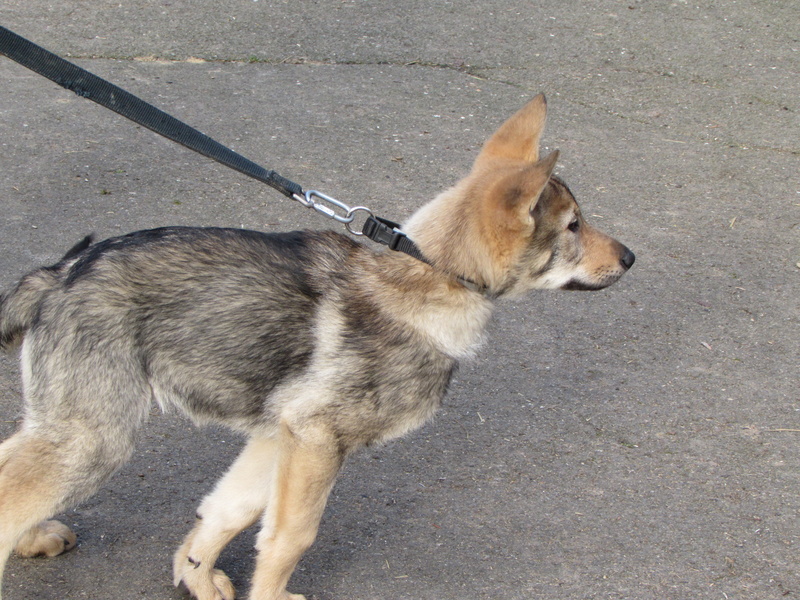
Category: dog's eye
[574,225]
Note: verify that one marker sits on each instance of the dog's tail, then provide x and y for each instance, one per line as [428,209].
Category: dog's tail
[20,305]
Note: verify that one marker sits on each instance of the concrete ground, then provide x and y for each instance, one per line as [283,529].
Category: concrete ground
[637,443]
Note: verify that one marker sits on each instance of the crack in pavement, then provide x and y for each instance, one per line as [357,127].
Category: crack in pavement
[482,73]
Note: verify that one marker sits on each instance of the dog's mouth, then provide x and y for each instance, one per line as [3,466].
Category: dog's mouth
[594,283]
[604,280]
[583,286]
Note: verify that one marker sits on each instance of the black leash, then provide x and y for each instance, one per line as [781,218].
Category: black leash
[96,89]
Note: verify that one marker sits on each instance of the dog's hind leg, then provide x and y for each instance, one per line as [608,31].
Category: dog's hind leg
[238,500]
[48,538]
[308,461]
[42,472]
[24,491]
[32,488]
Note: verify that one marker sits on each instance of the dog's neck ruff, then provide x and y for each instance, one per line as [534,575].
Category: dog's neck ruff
[388,233]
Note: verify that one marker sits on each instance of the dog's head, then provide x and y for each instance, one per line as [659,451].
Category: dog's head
[512,226]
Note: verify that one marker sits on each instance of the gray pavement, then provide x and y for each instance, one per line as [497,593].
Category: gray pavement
[637,443]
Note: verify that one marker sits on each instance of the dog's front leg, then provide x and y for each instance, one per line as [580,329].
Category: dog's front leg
[308,462]
[238,500]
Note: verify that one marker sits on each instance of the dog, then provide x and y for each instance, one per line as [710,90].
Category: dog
[310,343]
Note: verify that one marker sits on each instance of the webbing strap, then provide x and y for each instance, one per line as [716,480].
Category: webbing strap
[104,93]
[87,85]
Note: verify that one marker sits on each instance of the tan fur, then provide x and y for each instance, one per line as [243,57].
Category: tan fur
[30,477]
[441,309]
[518,138]
[306,472]
[48,538]
[487,228]
[235,504]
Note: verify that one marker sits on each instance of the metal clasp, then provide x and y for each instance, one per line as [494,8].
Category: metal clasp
[327,205]
[321,207]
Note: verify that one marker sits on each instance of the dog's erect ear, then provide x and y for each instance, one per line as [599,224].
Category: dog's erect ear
[522,194]
[518,138]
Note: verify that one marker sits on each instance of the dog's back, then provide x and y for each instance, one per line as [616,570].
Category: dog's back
[222,323]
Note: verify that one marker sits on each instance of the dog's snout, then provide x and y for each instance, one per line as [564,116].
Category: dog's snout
[627,259]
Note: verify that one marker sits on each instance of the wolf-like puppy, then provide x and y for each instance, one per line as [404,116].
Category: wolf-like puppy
[310,343]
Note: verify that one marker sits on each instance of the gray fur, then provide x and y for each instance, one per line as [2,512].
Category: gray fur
[211,321]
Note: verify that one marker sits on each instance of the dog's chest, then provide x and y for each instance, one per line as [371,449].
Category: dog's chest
[372,378]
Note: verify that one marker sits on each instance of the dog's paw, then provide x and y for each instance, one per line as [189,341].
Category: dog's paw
[207,584]
[48,538]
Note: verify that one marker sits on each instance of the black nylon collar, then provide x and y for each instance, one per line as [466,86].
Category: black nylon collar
[386,232]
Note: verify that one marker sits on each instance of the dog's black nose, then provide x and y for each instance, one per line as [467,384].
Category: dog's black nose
[627,259]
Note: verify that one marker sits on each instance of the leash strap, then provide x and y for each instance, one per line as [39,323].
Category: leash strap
[87,85]
[104,93]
